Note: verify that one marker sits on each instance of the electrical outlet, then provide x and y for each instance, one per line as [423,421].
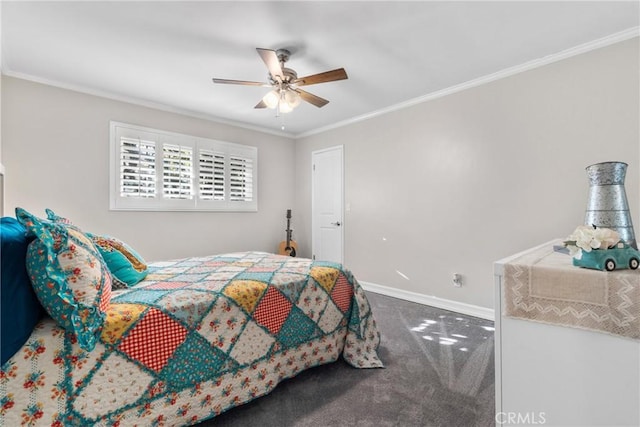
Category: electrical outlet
[457,280]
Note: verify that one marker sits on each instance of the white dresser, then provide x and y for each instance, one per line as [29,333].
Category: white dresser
[553,375]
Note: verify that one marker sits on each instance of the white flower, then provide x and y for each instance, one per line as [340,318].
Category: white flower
[586,238]
[574,251]
[606,236]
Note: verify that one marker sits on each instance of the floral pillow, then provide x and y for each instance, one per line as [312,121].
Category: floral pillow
[68,276]
[127,267]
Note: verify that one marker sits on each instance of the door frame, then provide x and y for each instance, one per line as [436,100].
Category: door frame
[314,236]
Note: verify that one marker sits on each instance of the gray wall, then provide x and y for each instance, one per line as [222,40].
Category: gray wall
[55,145]
[454,184]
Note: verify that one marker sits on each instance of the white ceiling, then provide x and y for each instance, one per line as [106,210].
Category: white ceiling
[165,53]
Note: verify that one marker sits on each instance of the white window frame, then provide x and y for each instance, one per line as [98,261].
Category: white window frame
[235,163]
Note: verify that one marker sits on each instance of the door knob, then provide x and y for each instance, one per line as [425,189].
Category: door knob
[337,223]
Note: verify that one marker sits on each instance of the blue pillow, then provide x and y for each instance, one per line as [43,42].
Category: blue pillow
[125,264]
[20,309]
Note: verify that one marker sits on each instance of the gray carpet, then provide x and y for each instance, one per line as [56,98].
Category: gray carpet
[438,372]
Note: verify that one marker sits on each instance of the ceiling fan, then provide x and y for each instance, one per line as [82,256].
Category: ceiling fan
[286,93]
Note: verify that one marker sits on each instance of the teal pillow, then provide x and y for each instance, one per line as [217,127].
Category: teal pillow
[20,309]
[125,264]
[69,277]
[127,267]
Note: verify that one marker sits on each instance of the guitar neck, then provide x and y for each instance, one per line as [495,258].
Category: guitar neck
[288,227]
[288,233]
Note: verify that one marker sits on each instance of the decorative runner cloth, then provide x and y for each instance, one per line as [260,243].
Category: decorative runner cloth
[543,285]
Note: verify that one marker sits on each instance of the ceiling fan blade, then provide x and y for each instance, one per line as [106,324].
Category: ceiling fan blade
[240,82]
[327,76]
[270,58]
[261,104]
[312,99]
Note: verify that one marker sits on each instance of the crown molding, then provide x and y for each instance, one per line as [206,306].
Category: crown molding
[507,72]
[140,102]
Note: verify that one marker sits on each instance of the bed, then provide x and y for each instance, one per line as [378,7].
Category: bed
[195,338]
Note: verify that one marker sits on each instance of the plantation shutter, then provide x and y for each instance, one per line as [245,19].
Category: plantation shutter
[137,168]
[155,170]
[240,179]
[211,176]
[177,172]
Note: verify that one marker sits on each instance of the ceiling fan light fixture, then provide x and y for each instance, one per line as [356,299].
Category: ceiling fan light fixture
[292,98]
[285,107]
[271,99]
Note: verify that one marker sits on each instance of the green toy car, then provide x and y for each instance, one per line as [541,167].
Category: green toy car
[621,257]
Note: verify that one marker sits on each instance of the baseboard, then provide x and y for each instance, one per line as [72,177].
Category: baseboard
[445,304]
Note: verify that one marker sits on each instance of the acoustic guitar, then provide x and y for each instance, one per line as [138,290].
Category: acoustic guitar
[288,247]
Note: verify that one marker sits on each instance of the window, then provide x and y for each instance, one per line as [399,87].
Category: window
[157,170]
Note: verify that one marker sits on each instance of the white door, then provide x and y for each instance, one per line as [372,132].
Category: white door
[327,204]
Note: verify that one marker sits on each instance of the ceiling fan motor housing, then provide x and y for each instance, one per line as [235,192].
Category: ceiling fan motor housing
[289,76]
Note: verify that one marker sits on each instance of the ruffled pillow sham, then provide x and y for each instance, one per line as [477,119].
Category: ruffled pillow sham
[69,276]
[125,264]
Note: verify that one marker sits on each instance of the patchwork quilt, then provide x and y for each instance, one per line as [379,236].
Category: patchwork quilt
[197,337]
